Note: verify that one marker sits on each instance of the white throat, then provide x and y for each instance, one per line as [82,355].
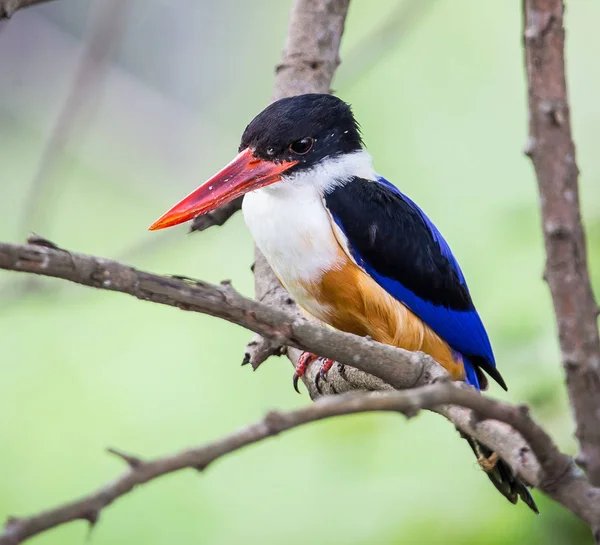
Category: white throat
[328,173]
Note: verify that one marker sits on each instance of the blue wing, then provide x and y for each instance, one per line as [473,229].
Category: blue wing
[392,239]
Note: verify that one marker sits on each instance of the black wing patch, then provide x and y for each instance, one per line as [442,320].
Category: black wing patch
[391,236]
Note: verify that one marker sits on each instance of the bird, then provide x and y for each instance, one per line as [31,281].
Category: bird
[351,249]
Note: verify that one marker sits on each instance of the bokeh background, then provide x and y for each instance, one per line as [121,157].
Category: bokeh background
[110,111]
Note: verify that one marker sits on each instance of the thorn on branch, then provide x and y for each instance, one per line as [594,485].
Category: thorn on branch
[555,110]
[39,240]
[530,146]
[259,349]
[216,217]
[538,24]
[228,287]
[556,230]
[132,461]
[246,359]
[411,411]
[92,517]
[187,279]
[523,411]
[201,467]
[571,362]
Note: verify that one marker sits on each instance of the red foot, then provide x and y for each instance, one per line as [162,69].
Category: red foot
[305,360]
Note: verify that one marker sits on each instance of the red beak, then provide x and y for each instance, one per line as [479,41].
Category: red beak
[245,173]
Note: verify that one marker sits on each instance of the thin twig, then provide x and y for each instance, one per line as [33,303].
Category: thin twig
[9,7]
[217,217]
[223,302]
[552,151]
[408,402]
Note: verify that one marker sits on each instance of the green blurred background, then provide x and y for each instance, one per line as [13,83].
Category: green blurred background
[441,98]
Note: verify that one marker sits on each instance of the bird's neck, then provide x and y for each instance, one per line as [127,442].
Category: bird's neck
[327,174]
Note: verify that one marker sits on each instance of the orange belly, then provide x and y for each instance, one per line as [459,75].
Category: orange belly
[352,301]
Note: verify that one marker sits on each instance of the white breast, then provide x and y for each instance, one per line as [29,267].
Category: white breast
[292,229]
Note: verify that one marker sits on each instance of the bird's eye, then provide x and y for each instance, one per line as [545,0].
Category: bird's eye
[302,147]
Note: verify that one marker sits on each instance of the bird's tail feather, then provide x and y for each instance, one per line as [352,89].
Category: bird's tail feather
[501,474]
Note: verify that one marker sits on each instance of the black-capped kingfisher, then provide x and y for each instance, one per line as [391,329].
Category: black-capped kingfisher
[351,249]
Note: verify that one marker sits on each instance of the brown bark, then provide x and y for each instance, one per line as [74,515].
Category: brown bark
[408,402]
[552,151]
[9,7]
[217,217]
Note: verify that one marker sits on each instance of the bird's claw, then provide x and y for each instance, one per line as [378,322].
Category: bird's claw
[322,373]
[318,378]
[305,360]
[488,463]
[295,381]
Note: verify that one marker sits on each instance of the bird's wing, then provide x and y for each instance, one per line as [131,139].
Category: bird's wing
[394,242]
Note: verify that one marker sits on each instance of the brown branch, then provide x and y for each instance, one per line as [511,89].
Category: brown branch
[408,402]
[222,302]
[217,217]
[9,7]
[552,151]
[370,365]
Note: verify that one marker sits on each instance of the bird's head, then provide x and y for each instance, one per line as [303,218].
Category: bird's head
[291,136]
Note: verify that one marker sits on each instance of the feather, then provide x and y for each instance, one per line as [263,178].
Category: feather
[395,243]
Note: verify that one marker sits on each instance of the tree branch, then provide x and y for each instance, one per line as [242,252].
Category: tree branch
[47,259]
[552,151]
[9,7]
[386,366]
[408,402]
[217,217]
